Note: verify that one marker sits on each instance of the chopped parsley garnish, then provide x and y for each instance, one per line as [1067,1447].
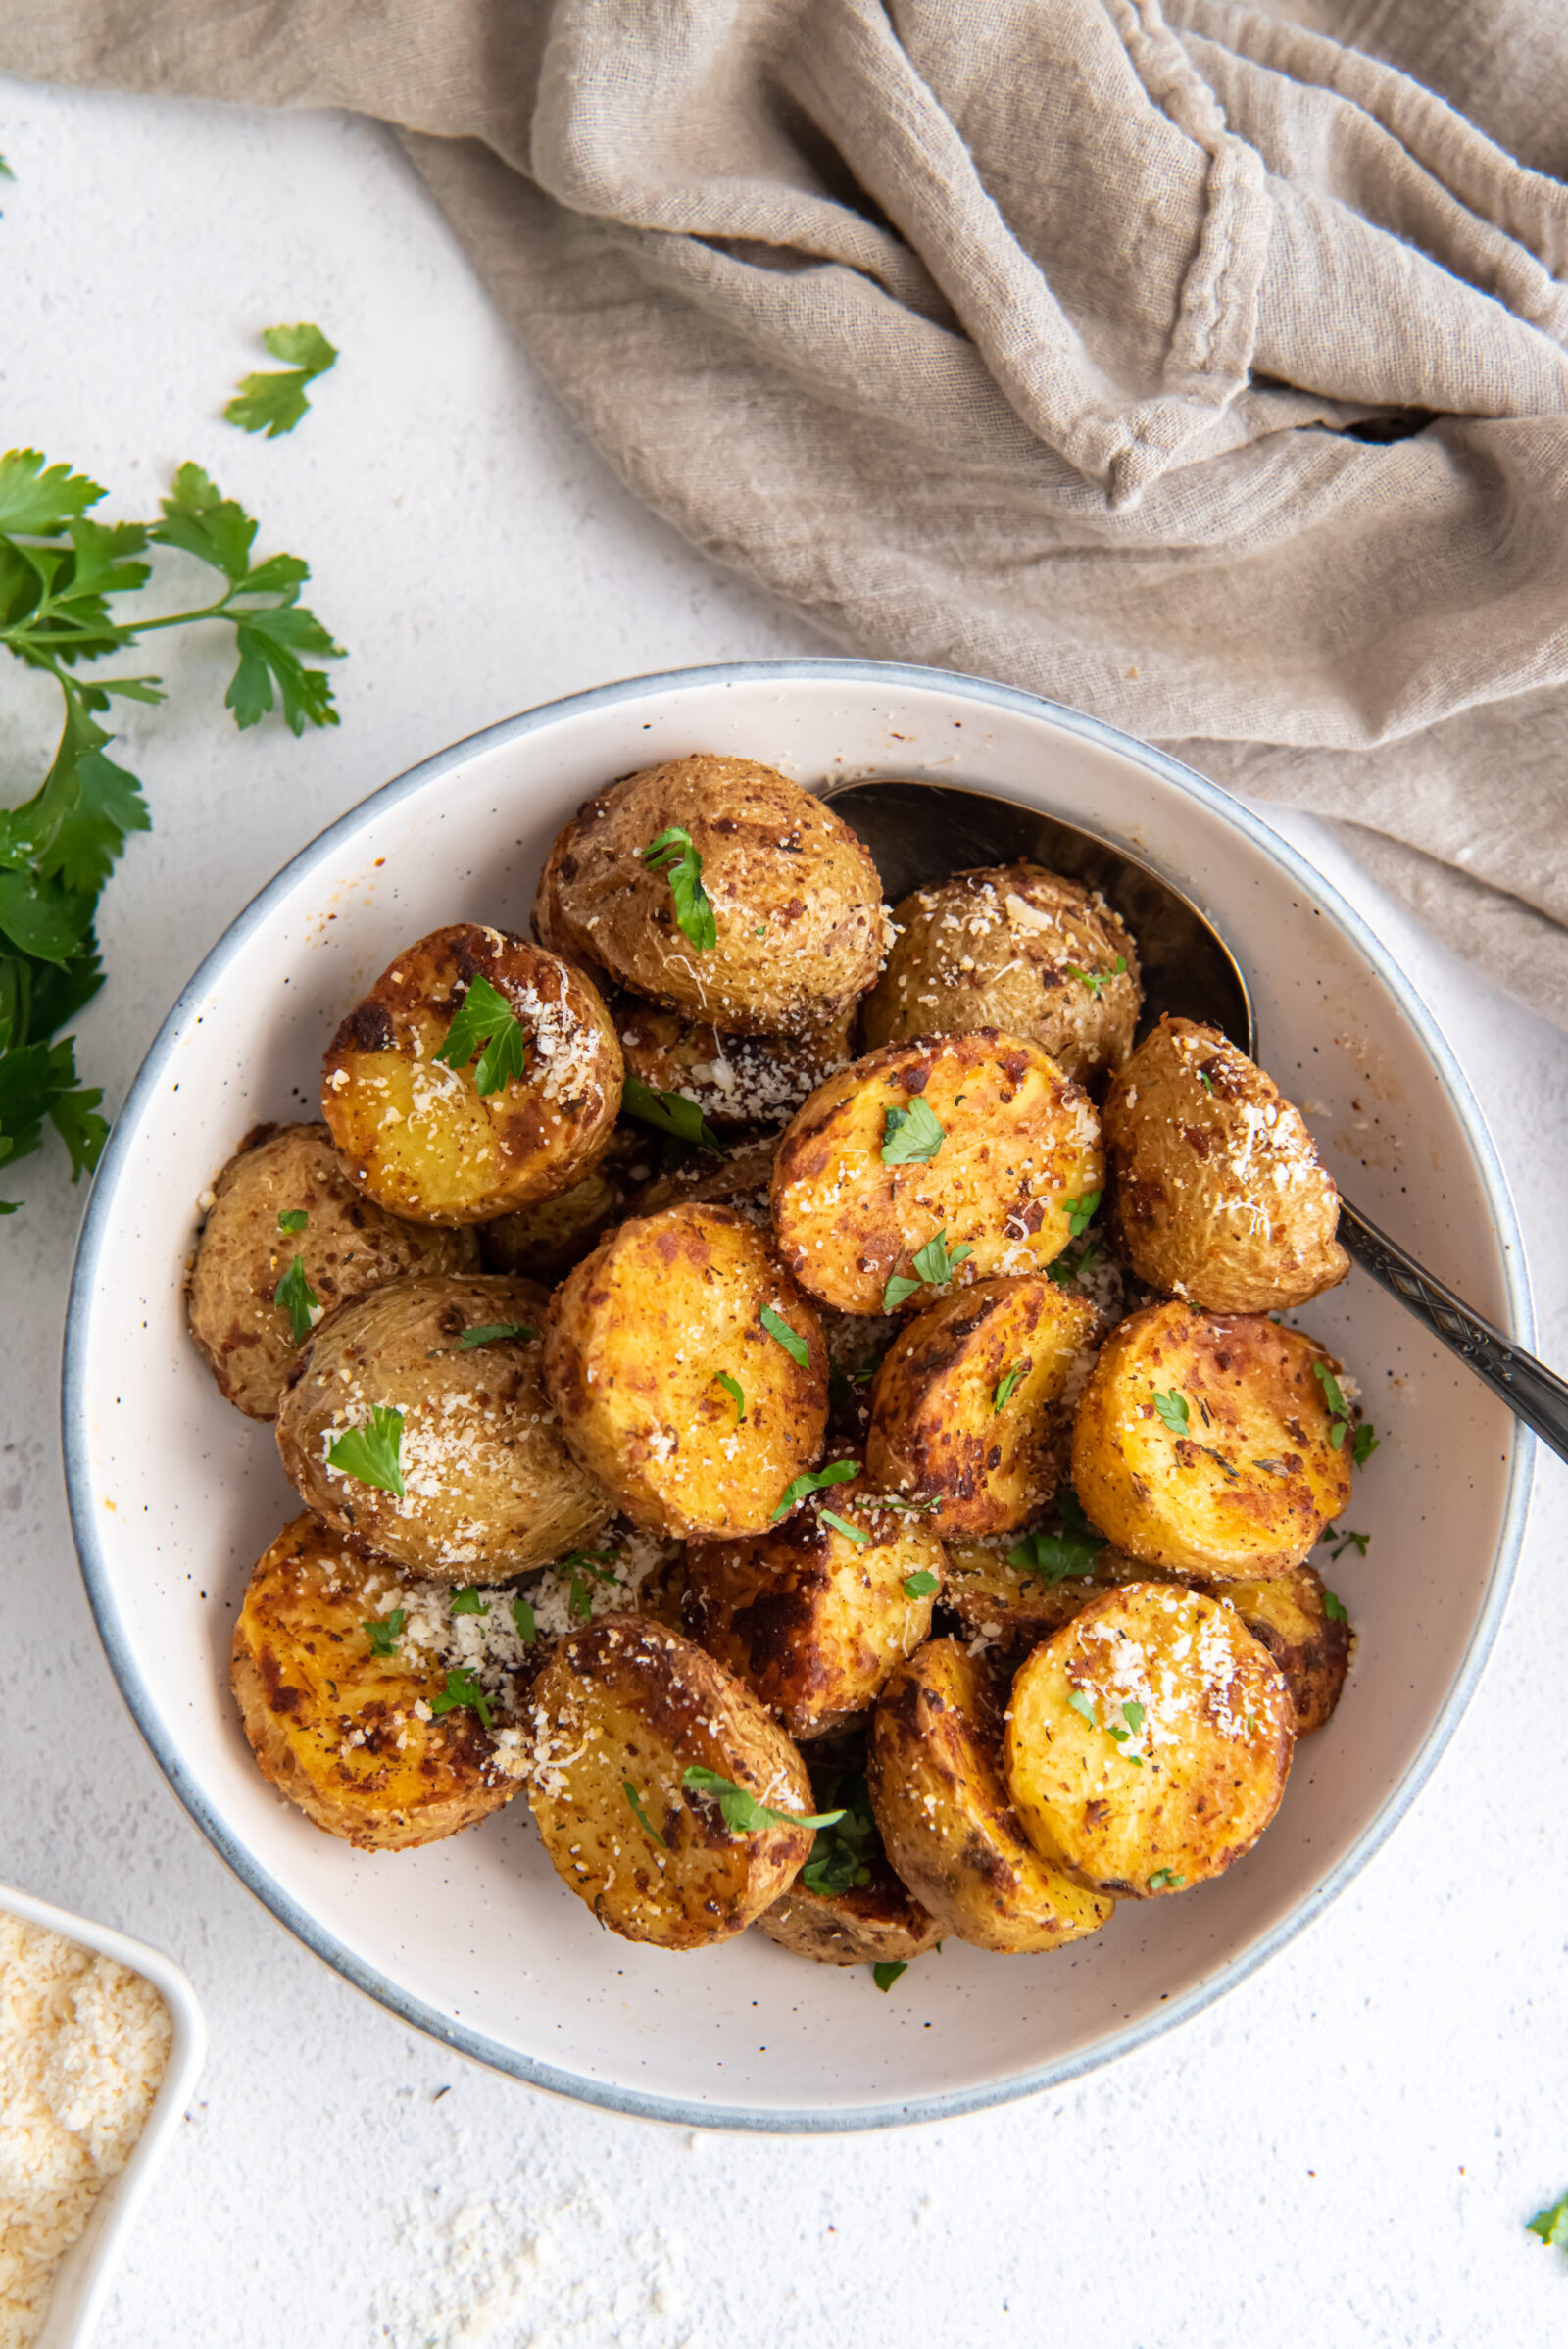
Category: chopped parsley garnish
[742,1813]
[1080,1703]
[1095,980]
[488,1332]
[372,1455]
[1334,1607]
[462,1690]
[484,1018]
[814,1480]
[840,1525]
[673,855]
[523,1616]
[298,1300]
[386,1632]
[1172,1408]
[1080,1212]
[1552,2225]
[1007,1387]
[1343,1541]
[579,1600]
[1074,1262]
[468,1602]
[1051,1557]
[919,1584]
[841,1857]
[935,1263]
[1363,1443]
[736,1393]
[274,404]
[1203,1079]
[600,1563]
[640,1815]
[790,1341]
[672,1113]
[1166,1880]
[885,1973]
[911,1136]
[292,1219]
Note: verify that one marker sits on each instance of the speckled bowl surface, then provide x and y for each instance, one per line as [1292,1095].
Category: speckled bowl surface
[175,1495]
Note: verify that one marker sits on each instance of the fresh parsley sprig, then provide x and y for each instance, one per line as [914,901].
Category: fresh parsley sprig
[911,1136]
[274,404]
[935,1265]
[469,1601]
[1051,1557]
[742,1814]
[462,1690]
[1172,1409]
[485,1025]
[1363,1443]
[1080,1212]
[673,855]
[293,1219]
[920,1583]
[814,1480]
[885,1973]
[295,1296]
[842,1855]
[373,1454]
[1334,1607]
[385,1631]
[671,1113]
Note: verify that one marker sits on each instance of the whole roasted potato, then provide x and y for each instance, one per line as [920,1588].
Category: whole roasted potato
[283,1200]
[414,1422]
[814,1614]
[723,890]
[1291,1616]
[480,1074]
[964,1408]
[345,1686]
[623,1712]
[1016,948]
[947,1819]
[951,1157]
[735,1081]
[689,1371]
[847,1907]
[1148,1741]
[1203,1444]
[1219,1195]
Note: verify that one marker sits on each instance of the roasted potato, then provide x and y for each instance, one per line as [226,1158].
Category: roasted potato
[488,1486]
[813,1618]
[735,1081]
[847,1907]
[1203,1444]
[1016,948]
[946,1820]
[992,1147]
[343,1241]
[543,1242]
[1290,1616]
[640,1337]
[1218,1193]
[740,1179]
[801,929]
[622,1711]
[1148,1741]
[964,1409]
[413,1127]
[1010,1591]
[354,1736]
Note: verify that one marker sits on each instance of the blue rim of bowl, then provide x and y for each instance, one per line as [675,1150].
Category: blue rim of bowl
[577,2085]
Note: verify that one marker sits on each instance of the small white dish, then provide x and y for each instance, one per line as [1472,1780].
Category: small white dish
[174,1495]
[86,2275]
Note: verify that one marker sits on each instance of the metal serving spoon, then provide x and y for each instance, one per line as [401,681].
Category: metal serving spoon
[921,832]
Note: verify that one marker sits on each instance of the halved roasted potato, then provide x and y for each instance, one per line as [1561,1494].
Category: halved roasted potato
[433,1384]
[622,1711]
[1148,1741]
[947,1819]
[1291,1616]
[1016,948]
[1011,1590]
[964,1409]
[342,1242]
[976,1144]
[847,1907]
[347,1696]
[1203,1442]
[463,1008]
[1218,1193]
[734,1080]
[799,928]
[814,1614]
[689,1371]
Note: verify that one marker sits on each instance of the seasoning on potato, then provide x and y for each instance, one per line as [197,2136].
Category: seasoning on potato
[847,1907]
[1310,1641]
[1148,1742]
[1009,1591]
[734,1080]
[480,1074]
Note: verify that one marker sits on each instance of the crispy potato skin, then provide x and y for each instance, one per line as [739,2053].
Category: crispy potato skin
[1200,1502]
[306,1682]
[937,1430]
[811,1620]
[637,1335]
[349,1245]
[1187,1791]
[419,1137]
[628,1701]
[492,1490]
[1009,947]
[1022,1140]
[739,1180]
[1010,1609]
[1218,1195]
[797,904]
[1287,1615]
[543,1242]
[736,1081]
[947,1820]
[872,1923]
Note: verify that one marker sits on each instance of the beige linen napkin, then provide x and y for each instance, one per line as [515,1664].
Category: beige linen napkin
[1206,369]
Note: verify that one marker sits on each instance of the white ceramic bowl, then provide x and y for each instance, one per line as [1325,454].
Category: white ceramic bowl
[86,2274]
[174,1495]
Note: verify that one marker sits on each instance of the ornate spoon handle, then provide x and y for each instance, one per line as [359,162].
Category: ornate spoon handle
[1532,1392]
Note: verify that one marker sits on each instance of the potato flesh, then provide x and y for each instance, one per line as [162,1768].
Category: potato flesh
[963,1406]
[629,1702]
[638,1334]
[1202,1501]
[1020,1144]
[1288,1616]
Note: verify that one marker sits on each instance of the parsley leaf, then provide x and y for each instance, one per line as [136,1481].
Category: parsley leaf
[1552,2225]
[672,853]
[790,1341]
[1080,1212]
[1080,1703]
[468,1601]
[1006,1388]
[1051,1557]
[372,1455]
[1166,1880]
[1333,1392]
[462,1690]
[742,1813]
[485,1018]
[814,1480]
[386,1632]
[899,1290]
[911,1136]
[274,404]
[1363,1443]
[919,1584]
[885,1973]
[935,1264]
[1074,1262]
[1172,1409]
[1095,980]
[523,1616]
[292,1219]
[579,1600]
[736,1393]
[842,1854]
[672,1113]
[1334,1607]
[298,1300]
[840,1525]
[600,1563]
[1343,1541]
[488,1332]
[640,1815]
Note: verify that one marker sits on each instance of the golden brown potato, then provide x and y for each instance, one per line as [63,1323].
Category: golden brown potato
[346,1245]
[1218,1195]
[640,1337]
[877,1922]
[352,1735]
[734,1080]
[1290,1616]
[489,1486]
[800,926]
[964,1408]
[413,1129]
[1234,1473]
[1016,948]
[812,1617]
[543,1242]
[1010,1605]
[1148,1741]
[623,1710]
[947,1819]
[1012,1144]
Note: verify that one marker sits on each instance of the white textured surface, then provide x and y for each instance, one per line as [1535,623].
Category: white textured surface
[1344,2152]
